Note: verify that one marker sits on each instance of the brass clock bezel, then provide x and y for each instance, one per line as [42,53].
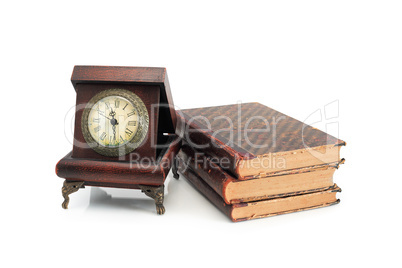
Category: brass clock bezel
[135,141]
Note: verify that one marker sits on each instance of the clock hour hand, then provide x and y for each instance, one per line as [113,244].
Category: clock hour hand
[112,113]
[113,120]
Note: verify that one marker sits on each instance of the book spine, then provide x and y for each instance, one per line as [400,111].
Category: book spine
[210,172]
[204,189]
[212,144]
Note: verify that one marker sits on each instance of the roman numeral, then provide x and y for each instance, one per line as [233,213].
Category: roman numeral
[103,136]
[107,105]
[116,103]
[125,106]
[121,139]
[132,113]
[97,129]
[132,123]
[96,120]
[128,132]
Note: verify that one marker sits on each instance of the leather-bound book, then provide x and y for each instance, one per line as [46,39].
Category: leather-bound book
[232,190]
[251,140]
[263,208]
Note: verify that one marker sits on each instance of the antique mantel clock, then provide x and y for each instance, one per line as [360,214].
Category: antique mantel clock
[124,134]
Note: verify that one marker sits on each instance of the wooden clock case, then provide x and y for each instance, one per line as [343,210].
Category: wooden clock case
[148,165]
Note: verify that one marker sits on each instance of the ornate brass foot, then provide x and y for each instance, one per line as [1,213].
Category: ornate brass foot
[174,168]
[156,193]
[69,188]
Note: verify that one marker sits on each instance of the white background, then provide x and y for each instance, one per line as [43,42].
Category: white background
[294,56]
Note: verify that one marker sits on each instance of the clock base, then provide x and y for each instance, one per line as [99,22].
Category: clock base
[149,177]
[155,192]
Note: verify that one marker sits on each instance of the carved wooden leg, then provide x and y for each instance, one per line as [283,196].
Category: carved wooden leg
[174,168]
[69,188]
[156,193]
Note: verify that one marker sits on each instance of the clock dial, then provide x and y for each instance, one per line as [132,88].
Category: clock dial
[115,122]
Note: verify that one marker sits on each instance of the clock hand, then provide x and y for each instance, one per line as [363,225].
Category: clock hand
[112,113]
[104,116]
[114,132]
[114,122]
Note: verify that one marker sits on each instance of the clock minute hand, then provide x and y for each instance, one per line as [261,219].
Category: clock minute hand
[105,116]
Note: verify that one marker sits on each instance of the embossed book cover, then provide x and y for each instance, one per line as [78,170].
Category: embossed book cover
[251,140]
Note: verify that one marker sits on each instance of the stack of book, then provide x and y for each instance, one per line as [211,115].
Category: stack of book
[252,161]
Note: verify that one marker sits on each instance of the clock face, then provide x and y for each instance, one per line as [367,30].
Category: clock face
[115,122]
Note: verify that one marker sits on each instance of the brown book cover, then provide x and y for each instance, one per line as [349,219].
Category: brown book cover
[251,140]
[263,208]
[232,190]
